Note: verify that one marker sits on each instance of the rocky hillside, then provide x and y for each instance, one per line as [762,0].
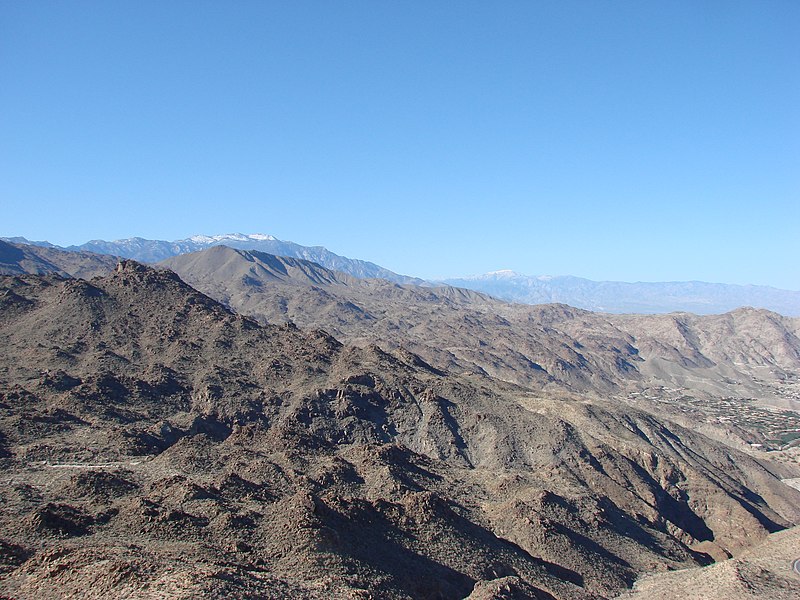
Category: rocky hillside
[154,443]
[25,258]
[744,353]
[453,329]
[764,571]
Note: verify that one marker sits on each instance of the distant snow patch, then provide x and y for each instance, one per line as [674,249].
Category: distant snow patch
[503,273]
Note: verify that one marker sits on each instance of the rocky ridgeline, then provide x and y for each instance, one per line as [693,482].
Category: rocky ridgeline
[154,443]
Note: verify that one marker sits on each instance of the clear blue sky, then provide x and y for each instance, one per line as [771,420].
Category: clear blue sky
[611,140]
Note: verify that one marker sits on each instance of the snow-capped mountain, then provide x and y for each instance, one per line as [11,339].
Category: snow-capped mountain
[211,240]
[153,251]
[620,297]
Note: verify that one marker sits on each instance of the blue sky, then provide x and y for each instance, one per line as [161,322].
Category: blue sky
[611,140]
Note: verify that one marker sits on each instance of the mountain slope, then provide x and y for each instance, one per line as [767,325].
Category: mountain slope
[764,571]
[746,353]
[154,443]
[453,329]
[25,258]
[620,297]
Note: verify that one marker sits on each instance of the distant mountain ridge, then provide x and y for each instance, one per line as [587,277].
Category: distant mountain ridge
[16,259]
[598,296]
[620,297]
[153,251]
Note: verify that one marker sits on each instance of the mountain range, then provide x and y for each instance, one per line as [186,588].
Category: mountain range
[155,443]
[742,354]
[24,258]
[600,296]
[620,297]
[550,345]
[152,251]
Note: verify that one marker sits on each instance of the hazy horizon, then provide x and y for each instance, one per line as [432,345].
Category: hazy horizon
[447,278]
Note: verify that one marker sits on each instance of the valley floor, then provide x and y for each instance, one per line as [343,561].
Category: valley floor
[765,571]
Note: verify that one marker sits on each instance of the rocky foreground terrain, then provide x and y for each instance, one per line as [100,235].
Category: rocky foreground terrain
[153,443]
